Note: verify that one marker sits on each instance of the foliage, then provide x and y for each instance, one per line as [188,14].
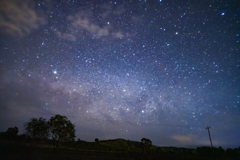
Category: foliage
[205,151]
[159,150]
[116,148]
[37,128]
[115,145]
[217,152]
[61,129]
[11,133]
[146,143]
[96,140]
[233,153]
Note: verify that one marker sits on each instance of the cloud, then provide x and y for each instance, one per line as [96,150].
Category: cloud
[19,17]
[95,26]
[82,21]
[118,35]
[67,36]
[185,138]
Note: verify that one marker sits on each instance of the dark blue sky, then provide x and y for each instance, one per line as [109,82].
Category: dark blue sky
[163,70]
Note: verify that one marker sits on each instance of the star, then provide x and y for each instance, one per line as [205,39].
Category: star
[112,67]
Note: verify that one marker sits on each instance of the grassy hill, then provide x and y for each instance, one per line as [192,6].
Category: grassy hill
[119,149]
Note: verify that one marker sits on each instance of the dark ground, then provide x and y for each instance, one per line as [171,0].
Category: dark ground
[20,151]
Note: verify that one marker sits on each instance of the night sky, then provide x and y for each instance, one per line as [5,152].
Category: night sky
[159,69]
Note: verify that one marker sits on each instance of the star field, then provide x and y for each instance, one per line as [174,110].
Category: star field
[163,70]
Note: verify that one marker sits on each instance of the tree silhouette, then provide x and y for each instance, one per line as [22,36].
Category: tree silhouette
[96,140]
[146,143]
[61,129]
[37,128]
[11,132]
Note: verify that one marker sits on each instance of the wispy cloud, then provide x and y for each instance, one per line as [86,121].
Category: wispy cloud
[85,22]
[67,36]
[19,17]
[185,138]
[82,21]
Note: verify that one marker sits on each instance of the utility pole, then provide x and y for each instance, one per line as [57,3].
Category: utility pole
[208,127]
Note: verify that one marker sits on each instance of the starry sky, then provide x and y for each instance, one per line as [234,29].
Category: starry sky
[159,69]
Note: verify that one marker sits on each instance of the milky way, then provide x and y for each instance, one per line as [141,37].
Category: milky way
[163,70]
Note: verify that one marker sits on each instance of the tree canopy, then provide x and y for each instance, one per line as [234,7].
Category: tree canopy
[37,128]
[11,132]
[96,140]
[147,143]
[58,128]
[61,129]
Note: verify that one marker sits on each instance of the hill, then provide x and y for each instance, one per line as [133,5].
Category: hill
[120,149]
